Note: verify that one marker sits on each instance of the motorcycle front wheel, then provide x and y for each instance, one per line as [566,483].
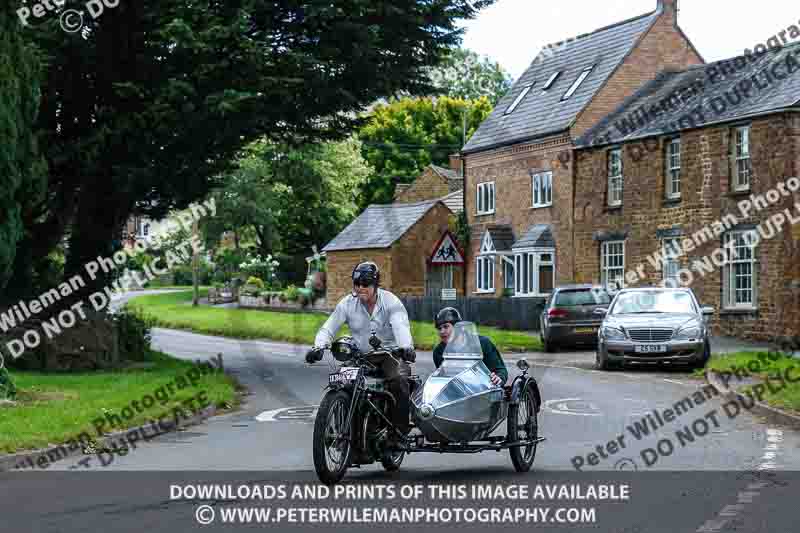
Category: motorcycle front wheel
[331,444]
[523,425]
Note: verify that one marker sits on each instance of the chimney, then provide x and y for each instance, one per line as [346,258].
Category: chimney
[669,8]
[455,163]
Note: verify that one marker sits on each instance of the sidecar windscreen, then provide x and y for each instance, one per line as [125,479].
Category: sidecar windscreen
[464,342]
[454,380]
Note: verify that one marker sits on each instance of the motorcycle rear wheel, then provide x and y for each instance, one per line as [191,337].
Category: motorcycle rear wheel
[331,448]
[523,425]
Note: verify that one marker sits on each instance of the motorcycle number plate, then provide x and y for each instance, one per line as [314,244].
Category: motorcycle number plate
[651,348]
[344,375]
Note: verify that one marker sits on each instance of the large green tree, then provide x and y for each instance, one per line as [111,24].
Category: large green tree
[22,171]
[290,199]
[465,74]
[153,98]
[404,136]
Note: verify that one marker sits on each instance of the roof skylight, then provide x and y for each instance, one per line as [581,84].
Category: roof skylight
[577,83]
[551,80]
[519,99]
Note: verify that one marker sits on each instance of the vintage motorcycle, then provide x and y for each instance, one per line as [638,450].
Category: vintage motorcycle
[456,410]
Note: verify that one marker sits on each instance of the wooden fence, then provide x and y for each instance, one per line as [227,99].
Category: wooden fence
[506,313]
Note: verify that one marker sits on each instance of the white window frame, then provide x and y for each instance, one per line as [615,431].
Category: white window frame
[529,261]
[485,206]
[484,273]
[738,257]
[615,183]
[508,263]
[577,83]
[673,170]
[741,154]
[519,98]
[542,189]
[609,249]
[551,80]
[670,252]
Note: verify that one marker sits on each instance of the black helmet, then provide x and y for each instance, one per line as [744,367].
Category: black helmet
[367,272]
[448,314]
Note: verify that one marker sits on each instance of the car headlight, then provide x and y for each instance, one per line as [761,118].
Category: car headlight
[691,331]
[612,334]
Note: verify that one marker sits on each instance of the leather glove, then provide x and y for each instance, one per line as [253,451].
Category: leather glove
[406,354]
[314,355]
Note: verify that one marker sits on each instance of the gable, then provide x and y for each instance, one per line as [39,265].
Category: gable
[428,186]
[543,112]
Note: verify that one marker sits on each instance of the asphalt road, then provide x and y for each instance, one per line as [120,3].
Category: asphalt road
[722,480]
[583,409]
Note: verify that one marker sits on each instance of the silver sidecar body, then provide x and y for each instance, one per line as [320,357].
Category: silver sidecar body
[458,402]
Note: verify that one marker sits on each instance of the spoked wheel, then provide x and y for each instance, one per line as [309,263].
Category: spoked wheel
[523,425]
[331,445]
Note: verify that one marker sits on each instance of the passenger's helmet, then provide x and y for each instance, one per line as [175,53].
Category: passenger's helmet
[448,314]
[367,272]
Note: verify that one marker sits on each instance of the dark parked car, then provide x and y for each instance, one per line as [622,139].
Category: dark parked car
[654,325]
[570,316]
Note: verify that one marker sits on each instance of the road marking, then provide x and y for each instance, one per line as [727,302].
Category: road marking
[289,414]
[774,437]
[572,406]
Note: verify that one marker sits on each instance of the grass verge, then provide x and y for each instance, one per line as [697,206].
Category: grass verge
[174,311]
[51,408]
[762,365]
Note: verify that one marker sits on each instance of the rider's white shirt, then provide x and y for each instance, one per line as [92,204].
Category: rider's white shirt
[389,320]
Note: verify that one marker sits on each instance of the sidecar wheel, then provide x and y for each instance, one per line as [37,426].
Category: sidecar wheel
[331,450]
[523,425]
[391,461]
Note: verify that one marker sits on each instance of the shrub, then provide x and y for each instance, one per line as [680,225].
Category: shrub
[255,281]
[133,332]
[291,293]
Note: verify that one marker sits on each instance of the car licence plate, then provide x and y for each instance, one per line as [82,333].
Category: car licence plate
[344,375]
[585,330]
[650,348]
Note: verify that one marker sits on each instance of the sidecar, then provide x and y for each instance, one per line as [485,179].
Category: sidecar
[458,407]
[458,402]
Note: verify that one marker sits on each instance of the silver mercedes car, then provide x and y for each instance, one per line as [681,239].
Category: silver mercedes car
[654,325]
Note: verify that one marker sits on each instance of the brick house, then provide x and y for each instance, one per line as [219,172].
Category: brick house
[403,240]
[519,165]
[435,182]
[658,193]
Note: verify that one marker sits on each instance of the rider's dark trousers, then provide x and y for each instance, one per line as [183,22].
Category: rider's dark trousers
[397,372]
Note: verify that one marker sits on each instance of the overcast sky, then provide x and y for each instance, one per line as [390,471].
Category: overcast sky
[513,31]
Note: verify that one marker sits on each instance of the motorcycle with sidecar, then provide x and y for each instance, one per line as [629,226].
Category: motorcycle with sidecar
[456,409]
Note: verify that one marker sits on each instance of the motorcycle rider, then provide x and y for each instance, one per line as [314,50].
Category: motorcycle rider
[445,320]
[371,309]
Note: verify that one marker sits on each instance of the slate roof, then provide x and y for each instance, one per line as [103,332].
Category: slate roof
[502,237]
[379,226]
[537,236]
[628,123]
[542,112]
[454,200]
[455,181]
[446,173]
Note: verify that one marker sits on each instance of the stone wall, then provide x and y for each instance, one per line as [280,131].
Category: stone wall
[706,197]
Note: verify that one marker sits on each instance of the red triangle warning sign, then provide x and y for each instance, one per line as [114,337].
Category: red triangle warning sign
[446,252]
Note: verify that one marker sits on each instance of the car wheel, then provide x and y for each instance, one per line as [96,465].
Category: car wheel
[602,363]
[706,356]
[549,346]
